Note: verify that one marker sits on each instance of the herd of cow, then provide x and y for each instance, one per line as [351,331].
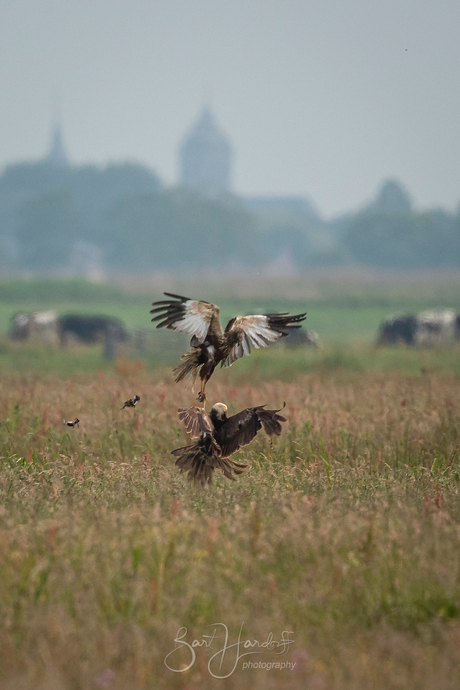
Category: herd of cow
[427,329]
[52,329]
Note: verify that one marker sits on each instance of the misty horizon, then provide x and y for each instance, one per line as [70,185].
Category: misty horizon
[253,199]
[320,100]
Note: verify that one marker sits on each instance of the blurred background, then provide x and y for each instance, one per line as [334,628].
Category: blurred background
[271,155]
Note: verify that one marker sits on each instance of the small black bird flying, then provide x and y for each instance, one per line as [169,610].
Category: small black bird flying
[132,402]
[210,345]
[74,423]
[219,437]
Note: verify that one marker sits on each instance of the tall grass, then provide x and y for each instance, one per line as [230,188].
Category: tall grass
[344,531]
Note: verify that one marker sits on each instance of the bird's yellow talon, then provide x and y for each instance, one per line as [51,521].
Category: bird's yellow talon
[201,397]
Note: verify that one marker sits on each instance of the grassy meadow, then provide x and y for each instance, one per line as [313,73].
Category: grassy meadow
[342,536]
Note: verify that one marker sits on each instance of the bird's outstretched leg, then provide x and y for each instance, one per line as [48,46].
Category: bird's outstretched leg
[202,395]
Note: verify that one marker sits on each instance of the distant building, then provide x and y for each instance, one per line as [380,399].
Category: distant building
[205,157]
[392,197]
[57,154]
[282,205]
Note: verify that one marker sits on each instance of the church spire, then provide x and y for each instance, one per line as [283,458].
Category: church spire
[57,154]
[205,156]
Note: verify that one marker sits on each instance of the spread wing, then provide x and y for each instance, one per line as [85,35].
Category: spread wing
[186,315]
[238,430]
[241,428]
[201,458]
[259,330]
[271,420]
[195,420]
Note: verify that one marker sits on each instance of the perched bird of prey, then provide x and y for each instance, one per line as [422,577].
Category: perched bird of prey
[74,423]
[210,345]
[132,402]
[219,436]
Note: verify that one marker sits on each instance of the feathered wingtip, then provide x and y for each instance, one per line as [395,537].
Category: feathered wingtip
[271,420]
[195,420]
[169,310]
[284,321]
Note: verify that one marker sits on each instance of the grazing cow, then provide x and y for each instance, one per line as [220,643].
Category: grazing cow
[401,329]
[436,328]
[20,326]
[91,329]
[41,325]
[427,329]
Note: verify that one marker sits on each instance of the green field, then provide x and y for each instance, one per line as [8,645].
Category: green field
[343,534]
[344,310]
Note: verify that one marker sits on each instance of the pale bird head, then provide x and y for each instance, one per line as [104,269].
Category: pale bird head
[219,410]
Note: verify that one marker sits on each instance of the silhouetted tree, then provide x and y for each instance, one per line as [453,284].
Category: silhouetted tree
[178,228]
[404,240]
[48,226]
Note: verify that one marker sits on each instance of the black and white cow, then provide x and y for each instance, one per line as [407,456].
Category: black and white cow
[427,329]
[41,325]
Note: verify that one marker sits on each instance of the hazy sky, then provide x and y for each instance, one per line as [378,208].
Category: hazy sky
[324,98]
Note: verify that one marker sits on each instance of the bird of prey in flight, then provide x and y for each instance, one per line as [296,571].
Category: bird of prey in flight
[210,344]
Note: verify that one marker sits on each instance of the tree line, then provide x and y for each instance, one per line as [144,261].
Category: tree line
[122,218]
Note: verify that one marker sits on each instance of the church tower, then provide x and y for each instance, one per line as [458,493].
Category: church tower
[205,157]
[57,154]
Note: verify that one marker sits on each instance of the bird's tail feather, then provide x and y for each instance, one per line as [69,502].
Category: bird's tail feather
[200,459]
[189,365]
